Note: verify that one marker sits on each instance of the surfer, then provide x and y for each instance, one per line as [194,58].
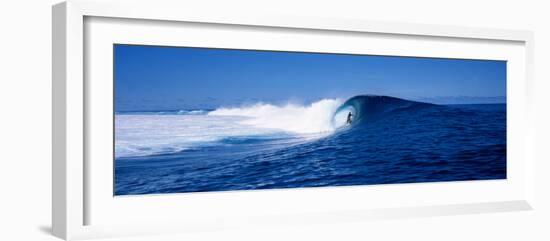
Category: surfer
[349,118]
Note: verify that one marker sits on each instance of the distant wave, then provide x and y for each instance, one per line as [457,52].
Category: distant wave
[165,112]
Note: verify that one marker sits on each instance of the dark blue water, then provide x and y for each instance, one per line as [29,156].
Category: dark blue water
[390,141]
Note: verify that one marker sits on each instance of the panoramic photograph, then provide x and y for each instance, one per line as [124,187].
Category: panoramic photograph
[190,119]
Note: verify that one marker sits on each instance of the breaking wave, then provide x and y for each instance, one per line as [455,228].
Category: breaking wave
[163,132]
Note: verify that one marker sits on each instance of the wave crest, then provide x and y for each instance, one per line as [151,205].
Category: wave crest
[371,107]
[326,115]
[314,118]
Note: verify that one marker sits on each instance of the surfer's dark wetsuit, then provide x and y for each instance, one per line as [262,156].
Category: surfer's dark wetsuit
[349,118]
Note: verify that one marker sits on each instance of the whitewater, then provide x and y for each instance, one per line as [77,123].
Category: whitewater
[162,132]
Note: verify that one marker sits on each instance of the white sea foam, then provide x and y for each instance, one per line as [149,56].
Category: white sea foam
[148,134]
[314,118]
[142,135]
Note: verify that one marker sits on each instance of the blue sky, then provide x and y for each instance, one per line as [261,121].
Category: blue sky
[170,78]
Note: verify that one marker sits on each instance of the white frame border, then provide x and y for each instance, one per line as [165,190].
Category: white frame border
[68,98]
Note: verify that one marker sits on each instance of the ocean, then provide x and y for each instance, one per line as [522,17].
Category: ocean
[266,146]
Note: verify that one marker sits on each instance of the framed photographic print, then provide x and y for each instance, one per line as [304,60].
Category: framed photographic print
[191,119]
[179,121]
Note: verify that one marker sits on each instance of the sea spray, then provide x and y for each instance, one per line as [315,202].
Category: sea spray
[314,118]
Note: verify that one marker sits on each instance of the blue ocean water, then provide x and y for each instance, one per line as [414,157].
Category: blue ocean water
[390,141]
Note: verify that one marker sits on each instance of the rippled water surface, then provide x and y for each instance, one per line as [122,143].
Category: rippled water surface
[389,142]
